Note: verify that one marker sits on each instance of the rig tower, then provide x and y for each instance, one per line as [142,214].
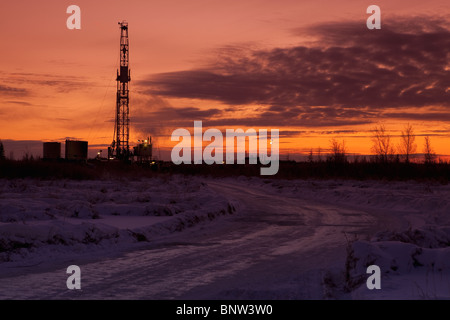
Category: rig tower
[120,148]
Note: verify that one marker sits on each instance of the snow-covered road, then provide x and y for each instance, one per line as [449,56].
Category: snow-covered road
[276,247]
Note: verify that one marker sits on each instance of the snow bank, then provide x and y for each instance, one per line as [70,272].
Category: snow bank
[409,262]
[63,216]
[413,248]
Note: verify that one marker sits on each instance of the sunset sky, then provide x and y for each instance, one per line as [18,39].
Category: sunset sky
[311,69]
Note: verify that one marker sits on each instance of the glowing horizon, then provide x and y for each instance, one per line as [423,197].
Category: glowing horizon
[311,70]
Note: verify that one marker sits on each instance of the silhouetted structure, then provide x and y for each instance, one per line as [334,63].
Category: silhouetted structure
[120,148]
[76,150]
[143,151]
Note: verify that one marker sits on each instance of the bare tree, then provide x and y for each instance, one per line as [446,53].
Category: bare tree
[319,154]
[429,154]
[381,144]
[310,156]
[2,151]
[407,144]
[338,150]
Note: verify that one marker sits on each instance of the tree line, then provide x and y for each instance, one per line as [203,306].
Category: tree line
[383,148]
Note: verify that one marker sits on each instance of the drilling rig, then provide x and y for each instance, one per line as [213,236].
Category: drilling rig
[120,148]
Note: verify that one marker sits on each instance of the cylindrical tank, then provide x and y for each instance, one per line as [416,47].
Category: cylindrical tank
[52,150]
[76,150]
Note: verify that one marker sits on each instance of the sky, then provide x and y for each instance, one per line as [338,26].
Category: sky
[311,69]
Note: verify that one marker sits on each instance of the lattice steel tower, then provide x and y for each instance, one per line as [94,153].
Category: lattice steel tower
[120,148]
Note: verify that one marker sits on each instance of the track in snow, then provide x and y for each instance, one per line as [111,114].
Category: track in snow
[275,247]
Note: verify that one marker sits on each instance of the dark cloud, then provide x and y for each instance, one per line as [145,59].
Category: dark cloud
[99,145]
[425,116]
[60,83]
[184,113]
[274,120]
[158,121]
[314,133]
[157,117]
[347,75]
[21,103]
[12,91]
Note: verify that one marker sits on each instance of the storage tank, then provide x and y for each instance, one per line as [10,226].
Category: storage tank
[52,151]
[76,150]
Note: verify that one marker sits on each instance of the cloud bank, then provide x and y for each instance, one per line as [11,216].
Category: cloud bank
[347,75]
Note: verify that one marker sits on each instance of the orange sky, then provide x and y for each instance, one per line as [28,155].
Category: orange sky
[60,83]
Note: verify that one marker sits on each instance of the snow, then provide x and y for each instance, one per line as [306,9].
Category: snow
[417,257]
[61,215]
[413,247]
[179,237]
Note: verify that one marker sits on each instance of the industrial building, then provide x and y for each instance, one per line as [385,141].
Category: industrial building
[143,151]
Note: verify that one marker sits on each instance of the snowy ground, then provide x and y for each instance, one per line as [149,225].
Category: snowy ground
[410,242]
[55,219]
[247,238]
